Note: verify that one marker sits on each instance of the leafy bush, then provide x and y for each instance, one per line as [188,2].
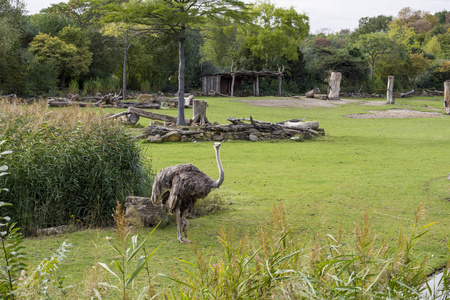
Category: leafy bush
[99,85]
[73,86]
[68,163]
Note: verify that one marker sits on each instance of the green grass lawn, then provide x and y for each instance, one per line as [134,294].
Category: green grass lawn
[387,166]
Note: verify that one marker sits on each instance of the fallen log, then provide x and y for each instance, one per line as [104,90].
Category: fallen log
[407,94]
[301,125]
[68,103]
[151,115]
[312,92]
[154,105]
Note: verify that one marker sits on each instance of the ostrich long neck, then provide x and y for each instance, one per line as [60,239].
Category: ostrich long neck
[222,175]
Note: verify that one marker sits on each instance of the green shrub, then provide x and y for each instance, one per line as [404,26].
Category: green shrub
[73,86]
[99,85]
[68,163]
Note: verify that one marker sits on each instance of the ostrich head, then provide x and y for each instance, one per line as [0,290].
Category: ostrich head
[217,146]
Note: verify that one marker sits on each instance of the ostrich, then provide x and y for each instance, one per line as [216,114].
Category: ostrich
[178,188]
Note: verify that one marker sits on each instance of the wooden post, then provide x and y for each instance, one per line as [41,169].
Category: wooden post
[280,78]
[257,85]
[390,90]
[334,84]
[447,97]
[199,112]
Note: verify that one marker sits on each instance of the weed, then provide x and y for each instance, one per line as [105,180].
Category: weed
[123,277]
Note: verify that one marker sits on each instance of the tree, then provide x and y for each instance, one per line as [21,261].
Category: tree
[67,58]
[83,13]
[373,45]
[275,33]
[415,65]
[49,23]
[373,24]
[433,47]
[174,17]
[128,35]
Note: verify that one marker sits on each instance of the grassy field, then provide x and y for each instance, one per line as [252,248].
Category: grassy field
[387,166]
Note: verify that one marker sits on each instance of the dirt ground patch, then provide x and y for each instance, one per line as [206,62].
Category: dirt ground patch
[301,102]
[397,113]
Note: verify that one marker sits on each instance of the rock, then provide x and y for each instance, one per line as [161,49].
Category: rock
[141,208]
[217,137]
[154,139]
[252,137]
[52,230]
[172,136]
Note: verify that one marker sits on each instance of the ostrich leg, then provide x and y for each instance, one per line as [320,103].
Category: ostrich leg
[179,221]
[185,225]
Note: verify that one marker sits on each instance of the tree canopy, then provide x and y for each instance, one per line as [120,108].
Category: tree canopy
[92,46]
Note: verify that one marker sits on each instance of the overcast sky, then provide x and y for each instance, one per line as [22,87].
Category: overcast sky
[333,15]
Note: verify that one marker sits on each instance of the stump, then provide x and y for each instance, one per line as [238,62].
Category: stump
[132,119]
[199,112]
[334,84]
[390,91]
[447,97]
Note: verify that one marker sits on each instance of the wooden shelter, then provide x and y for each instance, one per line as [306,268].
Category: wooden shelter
[227,83]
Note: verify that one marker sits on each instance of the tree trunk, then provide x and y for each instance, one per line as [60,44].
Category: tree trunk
[180,117]
[447,97]
[279,84]
[257,86]
[124,74]
[199,112]
[233,77]
[390,90]
[334,84]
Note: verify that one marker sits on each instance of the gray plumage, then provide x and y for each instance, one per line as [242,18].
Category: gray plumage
[178,188]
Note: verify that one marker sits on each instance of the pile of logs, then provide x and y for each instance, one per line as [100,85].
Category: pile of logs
[431,93]
[315,93]
[360,95]
[108,100]
[239,129]
[132,115]
[148,101]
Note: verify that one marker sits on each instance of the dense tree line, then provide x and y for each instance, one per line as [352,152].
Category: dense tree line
[89,46]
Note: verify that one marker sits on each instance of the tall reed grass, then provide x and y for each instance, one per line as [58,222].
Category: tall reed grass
[68,163]
[280,265]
